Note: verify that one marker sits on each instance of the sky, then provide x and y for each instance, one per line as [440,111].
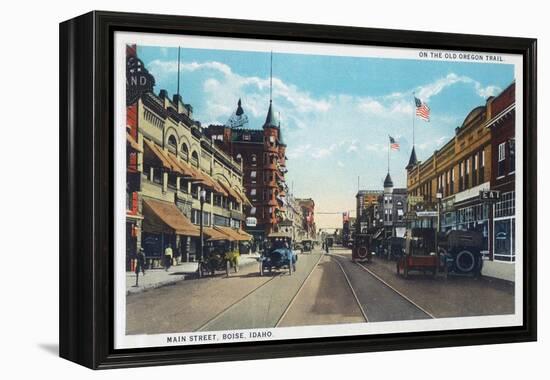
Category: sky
[336,112]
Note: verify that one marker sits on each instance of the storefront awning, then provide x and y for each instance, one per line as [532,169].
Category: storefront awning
[133,143]
[233,233]
[158,153]
[215,234]
[160,212]
[230,191]
[244,234]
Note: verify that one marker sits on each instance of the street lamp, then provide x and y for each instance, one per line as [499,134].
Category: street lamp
[202,199]
[439,196]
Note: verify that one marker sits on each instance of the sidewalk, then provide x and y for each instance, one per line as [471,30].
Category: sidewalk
[155,278]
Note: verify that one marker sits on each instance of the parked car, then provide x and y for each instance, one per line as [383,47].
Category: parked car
[277,254]
[216,259]
[307,245]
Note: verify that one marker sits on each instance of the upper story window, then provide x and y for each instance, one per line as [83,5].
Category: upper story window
[253,159]
[512,149]
[184,152]
[239,157]
[172,143]
[501,159]
[195,158]
[253,174]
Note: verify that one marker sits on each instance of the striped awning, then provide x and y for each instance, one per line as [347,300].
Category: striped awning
[158,213]
[215,234]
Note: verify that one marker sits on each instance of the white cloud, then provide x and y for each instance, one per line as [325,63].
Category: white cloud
[433,89]
[223,86]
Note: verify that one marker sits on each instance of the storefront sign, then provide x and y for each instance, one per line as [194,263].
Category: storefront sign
[489,195]
[426,214]
[251,222]
[138,80]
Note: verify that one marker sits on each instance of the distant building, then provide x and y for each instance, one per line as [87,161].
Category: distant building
[308,212]
[382,212]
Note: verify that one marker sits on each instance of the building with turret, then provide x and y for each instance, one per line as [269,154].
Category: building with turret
[262,154]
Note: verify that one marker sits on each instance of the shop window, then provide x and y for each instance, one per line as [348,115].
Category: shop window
[504,240]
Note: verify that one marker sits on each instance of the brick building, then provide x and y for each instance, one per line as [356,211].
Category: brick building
[262,154]
[468,164]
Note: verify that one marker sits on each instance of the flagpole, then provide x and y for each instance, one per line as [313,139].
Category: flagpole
[389,153]
[414,112]
[178,90]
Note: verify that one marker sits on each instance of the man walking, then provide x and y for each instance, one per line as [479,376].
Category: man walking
[168,255]
[140,264]
[326,247]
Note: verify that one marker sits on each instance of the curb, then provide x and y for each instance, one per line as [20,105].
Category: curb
[142,288]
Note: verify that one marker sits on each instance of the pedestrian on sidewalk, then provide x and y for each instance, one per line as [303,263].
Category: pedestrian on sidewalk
[168,255]
[140,264]
[326,246]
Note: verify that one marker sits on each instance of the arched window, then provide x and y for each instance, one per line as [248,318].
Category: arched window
[239,157]
[172,143]
[195,158]
[253,159]
[184,152]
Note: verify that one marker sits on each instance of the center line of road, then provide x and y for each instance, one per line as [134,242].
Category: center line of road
[298,292]
[395,290]
[352,290]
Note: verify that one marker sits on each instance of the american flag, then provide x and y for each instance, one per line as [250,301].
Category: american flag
[422,109]
[394,145]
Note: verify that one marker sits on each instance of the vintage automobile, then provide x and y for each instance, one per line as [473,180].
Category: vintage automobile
[393,248]
[459,252]
[361,251]
[216,259]
[307,245]
[462,251]
[277,254]
[420,254]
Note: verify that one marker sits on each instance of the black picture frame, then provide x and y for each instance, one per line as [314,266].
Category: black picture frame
[87,204]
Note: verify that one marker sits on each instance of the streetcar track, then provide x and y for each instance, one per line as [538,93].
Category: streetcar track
[392,288]
[219,315]
[298,292]
[361,308]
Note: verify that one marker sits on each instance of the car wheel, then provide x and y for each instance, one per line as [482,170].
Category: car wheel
[465,261]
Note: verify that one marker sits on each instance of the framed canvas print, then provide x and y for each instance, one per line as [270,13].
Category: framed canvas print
[237,190]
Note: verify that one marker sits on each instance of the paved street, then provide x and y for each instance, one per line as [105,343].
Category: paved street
[325,289]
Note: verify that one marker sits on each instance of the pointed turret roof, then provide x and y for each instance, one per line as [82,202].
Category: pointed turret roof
[271,120]
[238,119]
[240,110]
[388,182]
[412,160]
